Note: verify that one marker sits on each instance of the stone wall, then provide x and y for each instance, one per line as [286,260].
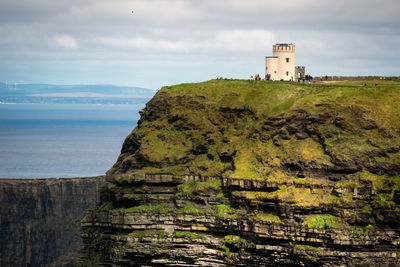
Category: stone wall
[353,78]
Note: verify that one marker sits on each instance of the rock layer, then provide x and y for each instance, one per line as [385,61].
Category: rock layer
[242,173]
[225,222]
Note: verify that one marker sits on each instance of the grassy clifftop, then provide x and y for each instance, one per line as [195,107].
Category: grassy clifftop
[267,130]
[263,174]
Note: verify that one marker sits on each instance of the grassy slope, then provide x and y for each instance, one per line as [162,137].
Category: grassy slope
[222,127]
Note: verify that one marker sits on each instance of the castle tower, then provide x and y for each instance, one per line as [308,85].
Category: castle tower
[281,65]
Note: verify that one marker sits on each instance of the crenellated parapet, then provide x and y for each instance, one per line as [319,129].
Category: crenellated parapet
[283,48]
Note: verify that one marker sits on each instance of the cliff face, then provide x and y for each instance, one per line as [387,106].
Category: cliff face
[40,218]
[250,173]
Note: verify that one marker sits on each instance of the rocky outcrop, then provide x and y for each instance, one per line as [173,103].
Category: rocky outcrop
[199,221]
[40,218]
[240,173]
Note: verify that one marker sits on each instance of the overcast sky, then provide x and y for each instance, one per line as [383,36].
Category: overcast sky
[167,42]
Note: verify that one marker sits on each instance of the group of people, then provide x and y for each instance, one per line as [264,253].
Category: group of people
[268,78]
[258,78]
[307,78]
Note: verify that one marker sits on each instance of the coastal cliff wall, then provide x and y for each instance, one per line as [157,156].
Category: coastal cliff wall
[40,218]
[247,173]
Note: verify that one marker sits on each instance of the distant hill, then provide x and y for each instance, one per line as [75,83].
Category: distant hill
[51,93]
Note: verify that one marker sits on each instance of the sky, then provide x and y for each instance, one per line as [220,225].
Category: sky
[153,43]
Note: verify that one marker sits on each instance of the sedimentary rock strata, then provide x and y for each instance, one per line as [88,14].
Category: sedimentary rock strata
[242,173]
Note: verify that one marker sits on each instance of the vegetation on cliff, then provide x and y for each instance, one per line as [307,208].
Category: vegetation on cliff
[233,172]
[258,130]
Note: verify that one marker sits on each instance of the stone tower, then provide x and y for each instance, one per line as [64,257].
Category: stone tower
[281,65]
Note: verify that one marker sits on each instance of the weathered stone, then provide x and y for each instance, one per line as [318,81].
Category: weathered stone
[322,186]
[40,218]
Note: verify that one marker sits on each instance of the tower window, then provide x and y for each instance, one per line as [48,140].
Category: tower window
[287,73]
[287,60]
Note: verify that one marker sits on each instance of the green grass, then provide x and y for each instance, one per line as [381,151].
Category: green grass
[292,195]
[267,218]
[217,128]
[222,197]
[162,209]
[370,228]
[161,234]
[229,256]
[151,209]
[231,241]
[385,187]
[106,206]
[322,222]
[357,235]
[192,210]
[187,235]
[310,252]
[225,211]
[192,188]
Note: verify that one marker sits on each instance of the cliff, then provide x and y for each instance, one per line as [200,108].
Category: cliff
[40,218]
[248,173]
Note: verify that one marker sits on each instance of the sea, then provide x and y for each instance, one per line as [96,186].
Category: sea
[62,140]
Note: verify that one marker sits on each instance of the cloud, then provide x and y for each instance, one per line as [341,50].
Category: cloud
[244,40]
[223,41]
[164,40]
[141,43]
[65,41]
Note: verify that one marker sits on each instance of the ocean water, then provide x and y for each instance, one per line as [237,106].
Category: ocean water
[62,140]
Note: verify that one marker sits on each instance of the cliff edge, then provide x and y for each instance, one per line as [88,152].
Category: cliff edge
[230,172]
